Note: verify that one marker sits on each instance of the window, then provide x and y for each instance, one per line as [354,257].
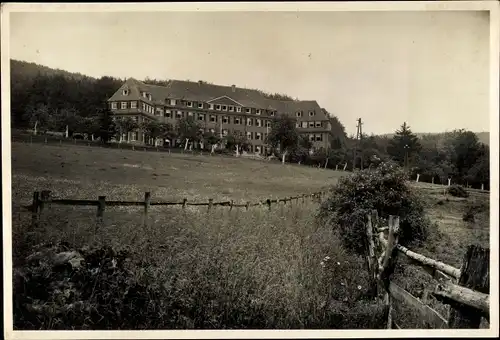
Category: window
[257,149]
[304,125]
[248,110]
[272,113]
[297,124]
[225,120]
[125,92]
[211,106]
[168,114]
[318,124]
[299,113]
[268,123]
[238,109]
[311,138]
[143,94]
[143,107]
[200,105]
[311,124]
[258,123]
[213,119]
[172,102]
[231,108]
[201,117]
[249,121]
[237,121]
[159,111]
[189,104]
[311,113]
[249,135]
[178,114]
[224,108]
[257,136]
[217,107]
[114,105]
[319,137]
[133,136]
[149,96]
[123,105]
[133,105]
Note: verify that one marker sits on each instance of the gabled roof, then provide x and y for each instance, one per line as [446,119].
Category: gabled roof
[204,92]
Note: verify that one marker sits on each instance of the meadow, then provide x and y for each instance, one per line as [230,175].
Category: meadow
[222,269]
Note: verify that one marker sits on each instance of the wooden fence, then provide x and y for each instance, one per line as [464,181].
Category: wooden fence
[43,199]
[465,290]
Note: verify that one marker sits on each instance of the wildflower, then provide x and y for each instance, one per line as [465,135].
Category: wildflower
[359,287]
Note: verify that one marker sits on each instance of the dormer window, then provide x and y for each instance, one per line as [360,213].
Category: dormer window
[172,102]
[311,113]
[143,94]
[224,108]
[272,113]
[248,110]
[238,109]
[231,108]
[257,112]
[299,113]
[189,104]
[125,92]
[210,106]
[200,105]
[318,124]
[217,107]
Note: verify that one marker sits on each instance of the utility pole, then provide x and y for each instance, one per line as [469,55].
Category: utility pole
[359,136]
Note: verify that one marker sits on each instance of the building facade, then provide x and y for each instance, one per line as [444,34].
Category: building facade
[219,109]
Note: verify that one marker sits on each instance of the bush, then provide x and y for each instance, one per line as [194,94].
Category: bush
[472,210]
[384,189]
[457,191]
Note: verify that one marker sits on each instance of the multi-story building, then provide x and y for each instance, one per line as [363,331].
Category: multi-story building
[220,109]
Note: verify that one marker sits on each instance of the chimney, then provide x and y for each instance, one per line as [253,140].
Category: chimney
[233,87]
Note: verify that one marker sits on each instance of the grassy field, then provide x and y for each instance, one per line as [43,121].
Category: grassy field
[243,269]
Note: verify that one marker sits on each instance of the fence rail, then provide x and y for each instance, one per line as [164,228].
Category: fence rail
[43,199]
[465,290]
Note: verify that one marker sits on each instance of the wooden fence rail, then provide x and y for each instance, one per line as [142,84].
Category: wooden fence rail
[42,199]
[465,290]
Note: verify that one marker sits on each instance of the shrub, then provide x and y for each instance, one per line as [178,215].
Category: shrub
[384,189]
[472,210]
[457,191]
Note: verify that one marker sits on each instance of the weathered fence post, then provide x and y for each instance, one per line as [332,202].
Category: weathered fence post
[184,203]
[418,176]
[449,181]
[147,203]
[44,197]
[247,205]
[482,186]
[35,206]
[210,203]
[432,179]
[370,257]
[345,166]
[231,205]
[475,274]
[269,203]
[100,208]
[336,167]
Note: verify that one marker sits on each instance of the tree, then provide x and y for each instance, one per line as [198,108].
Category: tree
[152,129]
[237,139]
[283,134]
[188,129]
[479,173]
[39,117]
[126,125]
[465,151]
[404,145]
[107,126]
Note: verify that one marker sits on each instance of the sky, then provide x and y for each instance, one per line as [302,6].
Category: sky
[429,69]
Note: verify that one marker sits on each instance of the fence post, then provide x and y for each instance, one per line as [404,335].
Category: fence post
[231,205]
[44,197]
[371,259]
[482,186]
[269,203]
[449,181]
[475,274]
[184,203]
[336,167]
[247,205]
[35,206]
[345,166]
[147,203]
[418,176]
[432,179]
[210,203]
[100,208]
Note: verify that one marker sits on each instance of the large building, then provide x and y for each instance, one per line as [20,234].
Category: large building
[220,109]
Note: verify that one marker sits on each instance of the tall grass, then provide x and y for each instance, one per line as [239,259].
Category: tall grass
[225,269]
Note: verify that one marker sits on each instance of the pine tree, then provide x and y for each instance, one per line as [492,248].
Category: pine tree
[404,144]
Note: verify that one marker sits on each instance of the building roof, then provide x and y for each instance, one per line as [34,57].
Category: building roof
[204,92]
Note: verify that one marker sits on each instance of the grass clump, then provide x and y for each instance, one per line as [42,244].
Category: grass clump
[385,189]
[457,191]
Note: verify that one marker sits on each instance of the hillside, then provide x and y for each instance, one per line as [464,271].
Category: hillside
[484,137]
